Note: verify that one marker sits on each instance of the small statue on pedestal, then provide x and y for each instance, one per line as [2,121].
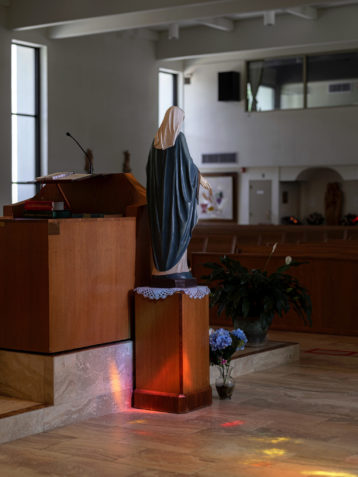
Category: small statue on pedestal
[172,194]
[126,163]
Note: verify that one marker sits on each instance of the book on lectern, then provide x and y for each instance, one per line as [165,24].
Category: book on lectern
[65,175]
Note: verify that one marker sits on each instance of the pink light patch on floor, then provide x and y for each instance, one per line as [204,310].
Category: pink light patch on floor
[232,424]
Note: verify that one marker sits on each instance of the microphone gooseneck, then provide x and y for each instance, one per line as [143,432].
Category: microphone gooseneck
[85,152]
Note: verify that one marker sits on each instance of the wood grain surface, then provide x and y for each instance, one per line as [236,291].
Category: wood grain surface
[171,353]
[65,283]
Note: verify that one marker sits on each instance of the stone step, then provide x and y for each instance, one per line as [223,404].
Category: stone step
[10,406]
[62,388]
[90,383]
[251,359]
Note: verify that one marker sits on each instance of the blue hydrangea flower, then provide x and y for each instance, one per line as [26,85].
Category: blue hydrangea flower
[220,339]
[241,336]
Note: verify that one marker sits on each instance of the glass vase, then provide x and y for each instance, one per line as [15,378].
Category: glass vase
[224,383]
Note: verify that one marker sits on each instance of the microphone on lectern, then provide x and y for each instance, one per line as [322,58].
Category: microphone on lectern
[90,159]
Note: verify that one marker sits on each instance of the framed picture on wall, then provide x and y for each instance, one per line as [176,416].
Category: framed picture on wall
[222,205]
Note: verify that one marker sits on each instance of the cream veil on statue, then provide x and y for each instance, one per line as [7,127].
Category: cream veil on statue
[170,128]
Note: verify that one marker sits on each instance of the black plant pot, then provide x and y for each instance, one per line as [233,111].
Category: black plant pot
[254,329]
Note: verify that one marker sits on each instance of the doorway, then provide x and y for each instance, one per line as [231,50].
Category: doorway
[260,202]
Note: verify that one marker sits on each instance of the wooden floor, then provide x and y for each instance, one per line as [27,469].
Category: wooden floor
[294,420]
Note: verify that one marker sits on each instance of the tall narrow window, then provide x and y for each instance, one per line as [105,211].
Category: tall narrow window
[168,92]
[25,116]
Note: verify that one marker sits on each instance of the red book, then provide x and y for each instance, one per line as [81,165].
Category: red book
[38,205]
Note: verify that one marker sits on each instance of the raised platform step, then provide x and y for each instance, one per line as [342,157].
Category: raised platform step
[63,388]
[90,383]
[10,406]
[270,355]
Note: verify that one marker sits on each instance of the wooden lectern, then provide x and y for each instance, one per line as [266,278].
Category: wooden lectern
[66,283]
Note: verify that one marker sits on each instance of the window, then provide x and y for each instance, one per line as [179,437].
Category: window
[275,84]
[332,80]
[265,98]
[168,92]
[25,118]
[303,82]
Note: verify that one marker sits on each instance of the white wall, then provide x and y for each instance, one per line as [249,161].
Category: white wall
[277,139]
[103,89]
[313,189]
[350,194]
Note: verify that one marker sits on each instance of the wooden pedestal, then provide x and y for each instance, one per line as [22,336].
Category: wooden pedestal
[171,353]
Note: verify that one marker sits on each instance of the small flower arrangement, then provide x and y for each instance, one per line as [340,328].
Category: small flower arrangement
[223,344]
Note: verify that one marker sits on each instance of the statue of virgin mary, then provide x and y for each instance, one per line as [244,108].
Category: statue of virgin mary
[172,191]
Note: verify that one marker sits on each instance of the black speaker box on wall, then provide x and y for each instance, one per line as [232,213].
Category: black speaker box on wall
[229,86]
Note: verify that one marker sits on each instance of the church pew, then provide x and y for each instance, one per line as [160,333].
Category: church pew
[221,237]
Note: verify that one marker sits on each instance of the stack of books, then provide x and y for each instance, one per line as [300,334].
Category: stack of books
[45,209]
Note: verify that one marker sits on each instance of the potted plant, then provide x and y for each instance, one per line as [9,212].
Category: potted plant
[252,297]
[222,345]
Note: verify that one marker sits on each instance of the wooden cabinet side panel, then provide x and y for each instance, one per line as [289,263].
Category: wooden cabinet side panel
[92,270]
[24,285]
[157,344]
[195,344]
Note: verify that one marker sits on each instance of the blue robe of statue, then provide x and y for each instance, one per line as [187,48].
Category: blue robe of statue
[172,185]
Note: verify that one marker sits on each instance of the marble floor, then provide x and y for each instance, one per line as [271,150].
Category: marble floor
[298,419]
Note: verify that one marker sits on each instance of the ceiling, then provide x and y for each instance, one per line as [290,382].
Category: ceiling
[64,18]
[188,28]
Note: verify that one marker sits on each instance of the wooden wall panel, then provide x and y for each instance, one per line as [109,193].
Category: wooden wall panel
[65,284]
[91,270]
[23,285]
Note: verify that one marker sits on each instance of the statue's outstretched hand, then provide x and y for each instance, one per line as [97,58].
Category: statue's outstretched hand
[204,183]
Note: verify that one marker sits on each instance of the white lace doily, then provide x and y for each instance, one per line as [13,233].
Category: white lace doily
[162,293]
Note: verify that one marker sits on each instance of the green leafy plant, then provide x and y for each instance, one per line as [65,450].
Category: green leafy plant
[255,293]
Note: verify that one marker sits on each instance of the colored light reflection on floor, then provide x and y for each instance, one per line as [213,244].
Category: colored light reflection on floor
[274,440]
[138,421]
[139,411]
[274,452]
[143,433]
[232,423]
[325,473]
